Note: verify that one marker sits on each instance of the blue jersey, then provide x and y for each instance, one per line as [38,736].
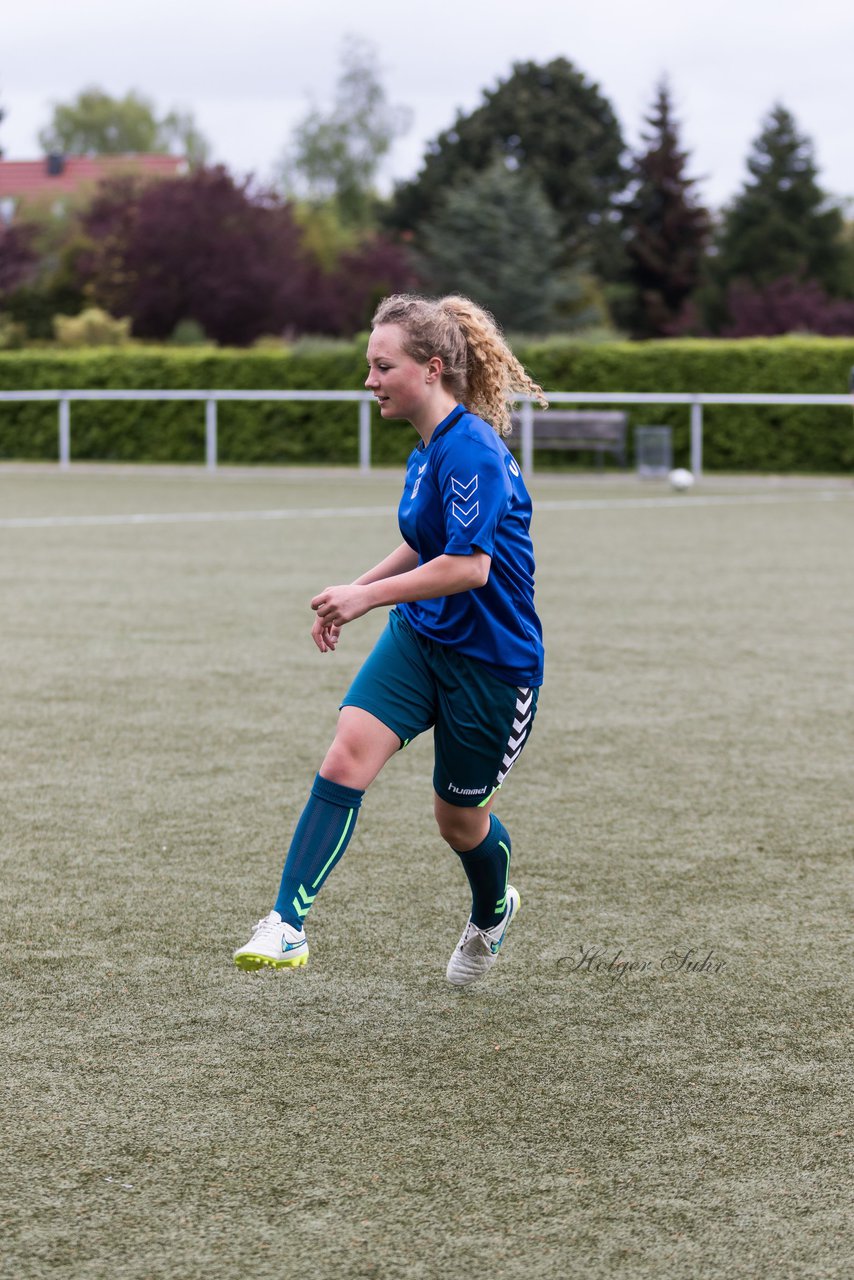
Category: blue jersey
[464,492]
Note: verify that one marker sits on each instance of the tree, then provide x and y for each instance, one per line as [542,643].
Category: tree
[846,281]
[782,223]
[201,248]
[496,238]
[37,270]
[342,298]
[18,258]
[666,228]
[555,128]
[325,237]
[204,248]
[335,156]
[97,124]
[180,133]
[786,306]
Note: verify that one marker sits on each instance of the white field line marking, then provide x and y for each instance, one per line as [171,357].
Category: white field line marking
[192,517]
[683,502]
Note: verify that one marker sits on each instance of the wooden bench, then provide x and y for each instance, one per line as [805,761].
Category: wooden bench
[597,430]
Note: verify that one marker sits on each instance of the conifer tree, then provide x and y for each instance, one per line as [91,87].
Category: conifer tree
[782,224]
[496,238]
[667,228]
[551,124]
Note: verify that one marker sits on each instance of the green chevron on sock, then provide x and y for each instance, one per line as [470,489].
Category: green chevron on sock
[303,901]
[487,867]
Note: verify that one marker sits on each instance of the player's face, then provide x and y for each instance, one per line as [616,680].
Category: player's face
[400,384]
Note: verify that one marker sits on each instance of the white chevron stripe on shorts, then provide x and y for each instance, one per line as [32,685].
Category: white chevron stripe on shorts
[519,734]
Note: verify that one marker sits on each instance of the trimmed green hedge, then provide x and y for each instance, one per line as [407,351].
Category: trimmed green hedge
[735,438]
[151,431]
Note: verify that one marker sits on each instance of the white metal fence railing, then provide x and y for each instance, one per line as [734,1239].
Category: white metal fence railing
[694,400]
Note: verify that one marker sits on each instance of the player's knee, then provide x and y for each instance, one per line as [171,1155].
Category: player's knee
[460,828]
[345,760]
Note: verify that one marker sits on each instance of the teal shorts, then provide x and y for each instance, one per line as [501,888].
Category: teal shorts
[480,724]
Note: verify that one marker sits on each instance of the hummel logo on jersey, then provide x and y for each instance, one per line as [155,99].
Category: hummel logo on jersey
[417,484]
[467,509]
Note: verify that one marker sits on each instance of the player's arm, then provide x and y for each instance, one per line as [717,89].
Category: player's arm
[445,576]
[401,560]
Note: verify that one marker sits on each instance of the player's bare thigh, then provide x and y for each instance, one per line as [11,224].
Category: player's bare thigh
[361,747]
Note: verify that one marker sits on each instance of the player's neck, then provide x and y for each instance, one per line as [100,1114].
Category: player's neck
[434,411]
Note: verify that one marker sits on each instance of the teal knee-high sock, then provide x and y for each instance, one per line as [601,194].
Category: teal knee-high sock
[320,839]
[487,866]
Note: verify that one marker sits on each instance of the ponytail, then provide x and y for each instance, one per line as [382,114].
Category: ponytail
[495,376]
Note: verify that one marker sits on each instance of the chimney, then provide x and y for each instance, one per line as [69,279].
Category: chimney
[55,164]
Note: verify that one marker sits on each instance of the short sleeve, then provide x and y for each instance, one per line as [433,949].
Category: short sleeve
[475,494]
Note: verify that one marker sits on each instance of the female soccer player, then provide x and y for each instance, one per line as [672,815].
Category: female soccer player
[462,652]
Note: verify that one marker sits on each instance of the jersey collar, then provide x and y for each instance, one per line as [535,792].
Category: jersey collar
[445,425]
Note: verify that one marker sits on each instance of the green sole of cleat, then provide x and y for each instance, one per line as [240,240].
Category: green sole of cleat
[251,964]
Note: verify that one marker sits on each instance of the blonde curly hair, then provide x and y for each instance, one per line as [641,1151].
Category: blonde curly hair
[478,366]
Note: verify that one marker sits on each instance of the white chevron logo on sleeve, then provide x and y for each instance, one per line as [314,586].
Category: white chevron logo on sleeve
[464,491]
[465,515]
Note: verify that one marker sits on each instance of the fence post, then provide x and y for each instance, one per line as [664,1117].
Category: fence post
[364,435]
[64,433]
[527,419]
[697,438]
[210,434]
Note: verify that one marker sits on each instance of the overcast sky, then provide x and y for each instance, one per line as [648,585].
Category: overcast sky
[249,69]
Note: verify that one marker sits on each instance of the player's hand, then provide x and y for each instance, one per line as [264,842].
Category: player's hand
[325,637]
[336,606]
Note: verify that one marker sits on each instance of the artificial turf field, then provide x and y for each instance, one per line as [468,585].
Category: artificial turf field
[596,1107]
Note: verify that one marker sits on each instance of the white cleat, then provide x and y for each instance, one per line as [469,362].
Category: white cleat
[477,950]
[274,944]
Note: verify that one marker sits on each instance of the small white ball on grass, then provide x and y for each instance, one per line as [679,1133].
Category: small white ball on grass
[681,479]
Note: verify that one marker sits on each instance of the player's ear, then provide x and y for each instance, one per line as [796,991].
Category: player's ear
[435,368]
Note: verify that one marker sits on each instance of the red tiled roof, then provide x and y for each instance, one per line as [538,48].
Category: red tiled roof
[30,180]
